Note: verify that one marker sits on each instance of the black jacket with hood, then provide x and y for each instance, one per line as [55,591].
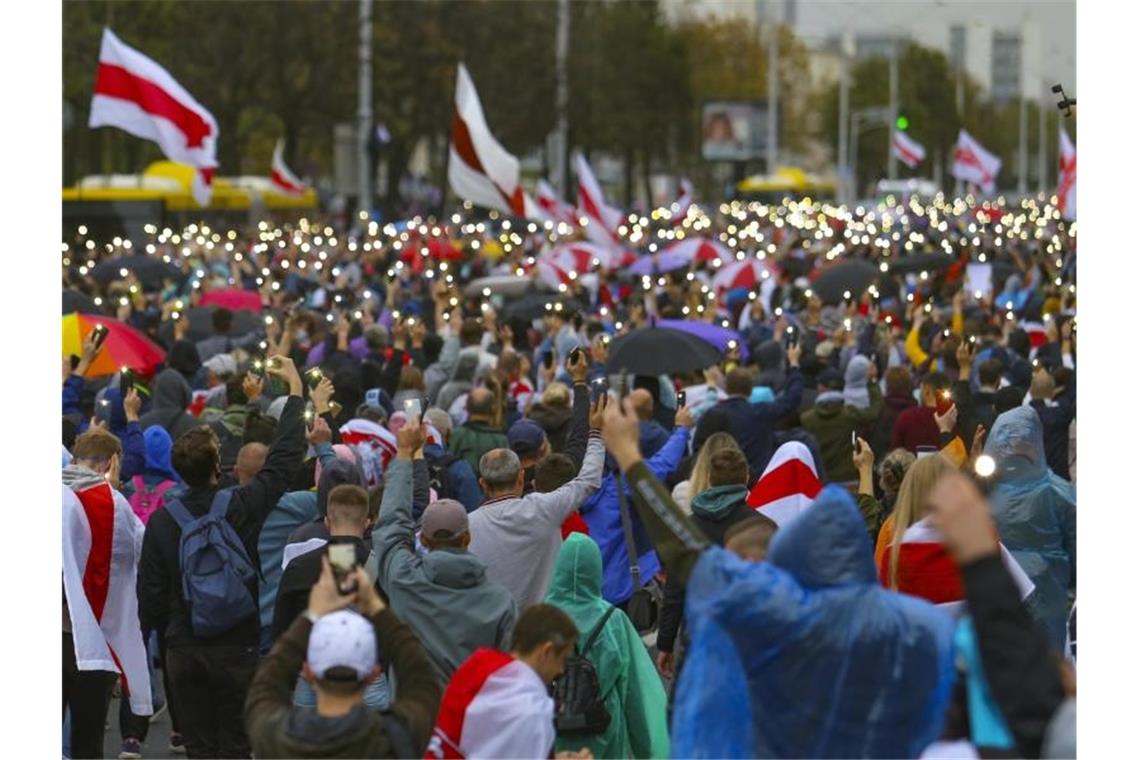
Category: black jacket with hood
[171,398]
[160,578]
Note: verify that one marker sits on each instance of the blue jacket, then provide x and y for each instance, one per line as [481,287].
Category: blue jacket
[464,485]
[602,515]
[129,434]
[752,425]
[652,436]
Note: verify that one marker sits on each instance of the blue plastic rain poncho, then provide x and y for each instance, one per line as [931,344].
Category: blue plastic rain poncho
[1036,515]
[633,692]
[806,655]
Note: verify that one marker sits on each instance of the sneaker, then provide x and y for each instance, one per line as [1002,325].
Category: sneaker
[176,744]
[159,709]
[132,750]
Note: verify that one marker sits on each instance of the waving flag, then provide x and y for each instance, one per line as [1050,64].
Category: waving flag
[553,206]
[680,207]
[138,96]
[909,151]
[280,175]
[973,163]
[603,219]
[1067,182]
[741,274]
[479,169]
[102,540]
[580,257]
[374,446]
[789,484]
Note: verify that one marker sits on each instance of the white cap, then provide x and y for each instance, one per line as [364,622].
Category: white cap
[342,639]
[221,364]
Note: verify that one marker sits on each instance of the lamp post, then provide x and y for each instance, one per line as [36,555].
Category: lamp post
[364,112]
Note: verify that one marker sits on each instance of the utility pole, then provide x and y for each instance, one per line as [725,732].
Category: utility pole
[841,149]
[892,163]
[1042,140]
[364,112]
[561,140]
[773,88]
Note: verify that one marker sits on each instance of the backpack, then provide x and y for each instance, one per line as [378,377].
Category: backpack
[146,500]
[215,568]
[579,707]
[439,479]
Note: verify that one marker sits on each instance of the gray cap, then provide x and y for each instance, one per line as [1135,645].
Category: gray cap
[446,518]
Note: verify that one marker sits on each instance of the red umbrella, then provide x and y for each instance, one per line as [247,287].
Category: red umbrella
[234,299]
[124,346]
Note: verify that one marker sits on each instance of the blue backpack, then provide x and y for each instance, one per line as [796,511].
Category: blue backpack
[215,568]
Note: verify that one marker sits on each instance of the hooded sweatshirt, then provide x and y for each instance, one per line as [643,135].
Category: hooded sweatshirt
[832,421]
[555,420]
[444,596]
[633,692]
[172,396]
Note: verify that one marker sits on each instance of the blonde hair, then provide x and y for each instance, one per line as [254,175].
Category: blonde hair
[699,478]
[910,507]
[556,394]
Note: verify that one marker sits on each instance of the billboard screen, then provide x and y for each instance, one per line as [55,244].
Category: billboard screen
[733,130]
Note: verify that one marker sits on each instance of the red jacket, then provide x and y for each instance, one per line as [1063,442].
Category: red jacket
[915,427]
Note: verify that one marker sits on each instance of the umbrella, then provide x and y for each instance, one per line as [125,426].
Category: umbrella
[74,301]
[920,262]
[533,305]
[660,350]
[852,276]
[150,270]
[234,299]
[201,326]
[710,333]
[357,348]
[506,285]
[124,346]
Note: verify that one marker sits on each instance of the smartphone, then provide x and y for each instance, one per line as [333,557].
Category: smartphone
[924,451]
[314,377]
[943,401]
[257,366]
[335,409]
[310,414]
[680,399]
[74,359]
[791,336]
[854,440]
[273,363]
[100,333]
[126,381]
[413,409]
[548,358]
[598,388]
[574,354]
[342,557]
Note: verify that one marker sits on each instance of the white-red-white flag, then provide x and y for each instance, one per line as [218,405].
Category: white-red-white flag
[135,94]
[748,273]
[579,257]
[479,169]
[1067,178]
[603,219]
[281,176]
[374,446]
[553,206]
[789,484]
[973,163]
[907,150]
[680,207]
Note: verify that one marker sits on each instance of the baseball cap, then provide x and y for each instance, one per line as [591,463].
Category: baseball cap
[221,365]
[445,516]
[831,379]
[342,640]
[526,436]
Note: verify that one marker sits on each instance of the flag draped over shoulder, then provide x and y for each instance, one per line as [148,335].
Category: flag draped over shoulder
[135,94]
[789,484]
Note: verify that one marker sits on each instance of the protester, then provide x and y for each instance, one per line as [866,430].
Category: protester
[841,412]
[450,476]
[475,437]
[171,397]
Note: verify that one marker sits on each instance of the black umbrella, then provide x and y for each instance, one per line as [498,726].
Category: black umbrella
[921,262]
[660,350]
[847,276]
[150,270]
[73,300]
[533,305]
[201,326]
[794,266]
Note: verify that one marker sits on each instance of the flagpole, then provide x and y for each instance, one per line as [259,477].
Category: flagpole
[773,90]
[1042,140]
[892,167]
[364,118]
[841,149]
[561,50]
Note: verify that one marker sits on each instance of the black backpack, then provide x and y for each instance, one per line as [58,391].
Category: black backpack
[579,706]
[439,478]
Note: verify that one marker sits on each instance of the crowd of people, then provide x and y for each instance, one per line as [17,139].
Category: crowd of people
[397,490]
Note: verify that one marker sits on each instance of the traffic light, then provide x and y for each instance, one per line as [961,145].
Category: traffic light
[901,123]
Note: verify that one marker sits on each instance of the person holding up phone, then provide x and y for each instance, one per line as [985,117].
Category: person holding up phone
[74,369]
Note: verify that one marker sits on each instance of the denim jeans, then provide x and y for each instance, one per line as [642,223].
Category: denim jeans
[376,694]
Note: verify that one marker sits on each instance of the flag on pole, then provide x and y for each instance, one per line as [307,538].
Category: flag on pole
[907,150]
[135,94]
[1067,178]
[680,207]
[282,178]
[973,163]
[553,206]
[479,169]
[603,219]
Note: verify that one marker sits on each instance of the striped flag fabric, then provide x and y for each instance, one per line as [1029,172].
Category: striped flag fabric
[553,206]
[479,169]
[281,176]
[747,273]
[1067,182]
[975,164]
[926,569]
[789,484]
[602,219]
[908,150]
[680,207]
[494,706]
[374,446]
[102,541]
[135,94]
[580,257]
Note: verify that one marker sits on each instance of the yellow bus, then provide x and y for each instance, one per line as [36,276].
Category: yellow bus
[787,182]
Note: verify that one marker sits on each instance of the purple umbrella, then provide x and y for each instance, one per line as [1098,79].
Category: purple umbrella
[357,347]
[665,261]
[710,333]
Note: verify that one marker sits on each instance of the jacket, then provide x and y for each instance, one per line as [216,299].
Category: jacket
[1055,421]
[752,425]
[298,579]
[883,430]
[602,515]
[472,440]
[715,510]
[915,427]
[517,538]
[634,695]
[1036,516]
[651,437]
[444,596]
[832,422]
[277,729]
[130,435]
[464,482]
[171,397]
[160,578]
[555,420]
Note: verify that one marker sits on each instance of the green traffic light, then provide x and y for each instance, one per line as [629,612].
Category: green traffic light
[902,123]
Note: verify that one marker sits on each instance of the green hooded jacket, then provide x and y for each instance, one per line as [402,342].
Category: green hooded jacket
[634,694]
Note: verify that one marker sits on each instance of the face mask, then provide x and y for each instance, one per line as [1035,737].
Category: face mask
[918,395]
